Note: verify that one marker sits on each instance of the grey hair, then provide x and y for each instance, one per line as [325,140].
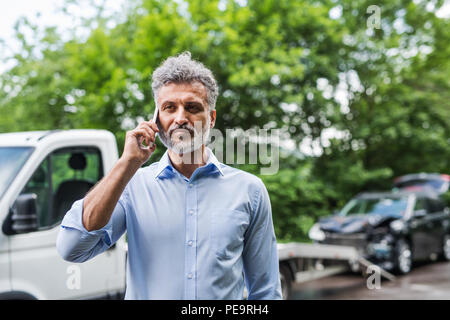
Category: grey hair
[182,69]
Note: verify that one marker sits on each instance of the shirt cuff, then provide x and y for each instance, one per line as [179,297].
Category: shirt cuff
[74,220]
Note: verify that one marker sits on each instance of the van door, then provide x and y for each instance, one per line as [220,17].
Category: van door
[65,176]
[5,284]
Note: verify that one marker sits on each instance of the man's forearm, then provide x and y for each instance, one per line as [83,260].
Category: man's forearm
[100,202]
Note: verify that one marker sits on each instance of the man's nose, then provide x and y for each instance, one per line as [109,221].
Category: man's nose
[181,117]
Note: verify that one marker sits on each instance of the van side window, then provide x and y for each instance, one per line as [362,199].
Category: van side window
[65,176]
[39,184]
[75,172]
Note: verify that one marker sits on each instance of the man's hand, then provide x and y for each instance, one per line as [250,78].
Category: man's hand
[134,150]
[100,202]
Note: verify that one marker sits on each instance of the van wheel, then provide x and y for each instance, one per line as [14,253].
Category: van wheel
[286,282]
[403,257]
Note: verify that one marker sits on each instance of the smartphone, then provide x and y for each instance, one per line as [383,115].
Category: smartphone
[155,119]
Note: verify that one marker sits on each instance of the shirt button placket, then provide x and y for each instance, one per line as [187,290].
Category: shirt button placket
[191,240]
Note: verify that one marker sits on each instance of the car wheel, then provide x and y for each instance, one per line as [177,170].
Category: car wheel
[446,248]
[286,282]
[403,257]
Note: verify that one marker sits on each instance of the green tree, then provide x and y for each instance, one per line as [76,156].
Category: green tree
[307,67]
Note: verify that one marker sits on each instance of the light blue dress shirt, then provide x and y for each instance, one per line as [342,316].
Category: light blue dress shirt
[198,238]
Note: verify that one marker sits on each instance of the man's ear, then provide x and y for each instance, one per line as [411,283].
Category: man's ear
[212,115]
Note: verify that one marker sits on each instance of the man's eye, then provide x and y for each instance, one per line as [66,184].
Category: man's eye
[192,108]
[169,107]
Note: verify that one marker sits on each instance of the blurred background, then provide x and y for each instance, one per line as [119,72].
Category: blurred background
[361,96]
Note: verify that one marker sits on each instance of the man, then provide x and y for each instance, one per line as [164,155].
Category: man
[196,228]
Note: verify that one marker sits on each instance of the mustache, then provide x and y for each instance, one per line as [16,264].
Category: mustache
[184,126]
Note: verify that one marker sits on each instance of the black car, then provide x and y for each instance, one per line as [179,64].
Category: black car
[390,229]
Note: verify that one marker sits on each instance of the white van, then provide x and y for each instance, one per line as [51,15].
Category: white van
[41,174]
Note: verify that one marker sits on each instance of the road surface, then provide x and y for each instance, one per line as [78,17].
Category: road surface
[426,281]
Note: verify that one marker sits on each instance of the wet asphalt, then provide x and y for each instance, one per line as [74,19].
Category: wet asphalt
[427,281]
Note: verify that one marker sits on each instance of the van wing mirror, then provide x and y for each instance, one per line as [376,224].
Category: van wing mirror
[23,217]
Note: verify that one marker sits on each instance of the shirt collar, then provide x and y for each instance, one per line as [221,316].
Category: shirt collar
[165,165]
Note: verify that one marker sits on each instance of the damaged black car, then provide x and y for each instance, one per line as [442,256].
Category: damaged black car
[392,230]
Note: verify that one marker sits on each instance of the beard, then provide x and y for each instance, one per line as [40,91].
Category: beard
[184,139]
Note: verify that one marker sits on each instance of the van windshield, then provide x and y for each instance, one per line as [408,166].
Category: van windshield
[12,160]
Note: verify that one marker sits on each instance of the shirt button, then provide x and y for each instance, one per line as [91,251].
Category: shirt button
[190,185]
[189,275]
[190,242]
[191,212]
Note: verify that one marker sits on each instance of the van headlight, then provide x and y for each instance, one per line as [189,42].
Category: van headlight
[397,225]
[316,234]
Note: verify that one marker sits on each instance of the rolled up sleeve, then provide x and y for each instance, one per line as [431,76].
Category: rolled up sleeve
[260,255]
[76,244]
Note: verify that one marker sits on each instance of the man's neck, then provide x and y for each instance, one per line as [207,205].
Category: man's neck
[187,163]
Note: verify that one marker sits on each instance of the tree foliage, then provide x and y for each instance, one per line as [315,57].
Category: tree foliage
[310,68]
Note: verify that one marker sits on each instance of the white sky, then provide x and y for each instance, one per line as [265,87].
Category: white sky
[12,10]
